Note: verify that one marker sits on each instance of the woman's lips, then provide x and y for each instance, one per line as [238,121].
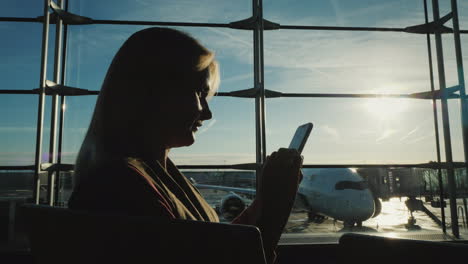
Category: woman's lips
[196,125]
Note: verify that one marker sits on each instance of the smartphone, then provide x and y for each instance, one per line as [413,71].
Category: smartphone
[300,137]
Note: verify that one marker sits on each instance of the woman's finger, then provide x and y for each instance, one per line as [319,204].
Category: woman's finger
[290,151]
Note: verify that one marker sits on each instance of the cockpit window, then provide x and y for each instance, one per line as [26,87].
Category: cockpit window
[343,185]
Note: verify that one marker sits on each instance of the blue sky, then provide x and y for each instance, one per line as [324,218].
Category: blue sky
[346,130]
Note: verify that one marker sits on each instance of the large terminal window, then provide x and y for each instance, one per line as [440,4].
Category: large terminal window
[362,72]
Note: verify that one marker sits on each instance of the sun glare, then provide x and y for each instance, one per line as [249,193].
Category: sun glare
[386,108]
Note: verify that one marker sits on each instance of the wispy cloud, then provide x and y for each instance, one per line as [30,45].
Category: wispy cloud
[210,124]
[239,40]
[374,10]
[330,131]
[386,134]
[186,10]
[421,138]
[338,12]
[409,133]
[239,77]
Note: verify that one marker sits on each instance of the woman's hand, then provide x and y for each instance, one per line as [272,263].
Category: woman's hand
[280,179]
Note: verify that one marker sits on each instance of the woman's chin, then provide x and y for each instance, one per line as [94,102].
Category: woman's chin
[186,141]
[191,140]
[181,140]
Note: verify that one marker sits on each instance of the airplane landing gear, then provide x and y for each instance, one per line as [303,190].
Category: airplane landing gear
[411,224]
[413,205]
[348,224]
[351,224]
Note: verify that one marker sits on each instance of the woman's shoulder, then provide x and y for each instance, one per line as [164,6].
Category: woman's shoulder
[119,163]
[112,169]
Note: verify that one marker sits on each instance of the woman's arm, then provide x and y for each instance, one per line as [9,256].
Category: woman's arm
[271,209]
[250,215]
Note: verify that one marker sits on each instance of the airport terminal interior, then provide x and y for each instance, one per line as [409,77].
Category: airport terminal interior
[382,81]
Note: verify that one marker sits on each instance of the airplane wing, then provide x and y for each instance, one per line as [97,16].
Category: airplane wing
[226,188]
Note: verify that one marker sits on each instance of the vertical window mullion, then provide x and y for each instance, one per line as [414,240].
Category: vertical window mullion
[40,114]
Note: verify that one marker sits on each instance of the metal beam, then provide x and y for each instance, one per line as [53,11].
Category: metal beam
[252,166]
[40,111]
[54,111]
[446,126]
[436,120]
[461,79]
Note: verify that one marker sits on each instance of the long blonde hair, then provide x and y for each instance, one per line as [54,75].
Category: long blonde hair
[151,59]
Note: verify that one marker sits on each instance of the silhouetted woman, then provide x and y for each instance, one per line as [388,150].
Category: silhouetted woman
[154,98]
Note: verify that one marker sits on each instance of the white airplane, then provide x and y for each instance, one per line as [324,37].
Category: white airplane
[337,193]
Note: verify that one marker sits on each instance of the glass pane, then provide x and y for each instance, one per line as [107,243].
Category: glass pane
[18,129]
[20,50]
[450,61]
[345,62]
[65,188]
[463,15]
[464,44]
[16,189]
[355,131]
[227,191]
[28,8]
[18,123]
[456,130]
[368,13]
[78,113]
[16,184]
[461,179]
[461,209]
[205,11]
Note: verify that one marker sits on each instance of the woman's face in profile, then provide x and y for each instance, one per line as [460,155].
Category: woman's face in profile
[182,109]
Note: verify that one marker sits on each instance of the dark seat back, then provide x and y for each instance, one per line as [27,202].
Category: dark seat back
[59,235]
[361,248]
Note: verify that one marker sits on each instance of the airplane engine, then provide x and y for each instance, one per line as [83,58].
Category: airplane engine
[231,206]
[378,206]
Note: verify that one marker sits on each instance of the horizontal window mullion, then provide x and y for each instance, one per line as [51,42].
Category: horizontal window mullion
[337,95]
[221,25]
[430,165]
[18,19]
[18,92]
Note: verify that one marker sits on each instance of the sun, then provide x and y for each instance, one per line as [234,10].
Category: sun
[386,108]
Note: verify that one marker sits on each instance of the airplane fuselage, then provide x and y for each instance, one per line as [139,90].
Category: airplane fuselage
[339,193]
